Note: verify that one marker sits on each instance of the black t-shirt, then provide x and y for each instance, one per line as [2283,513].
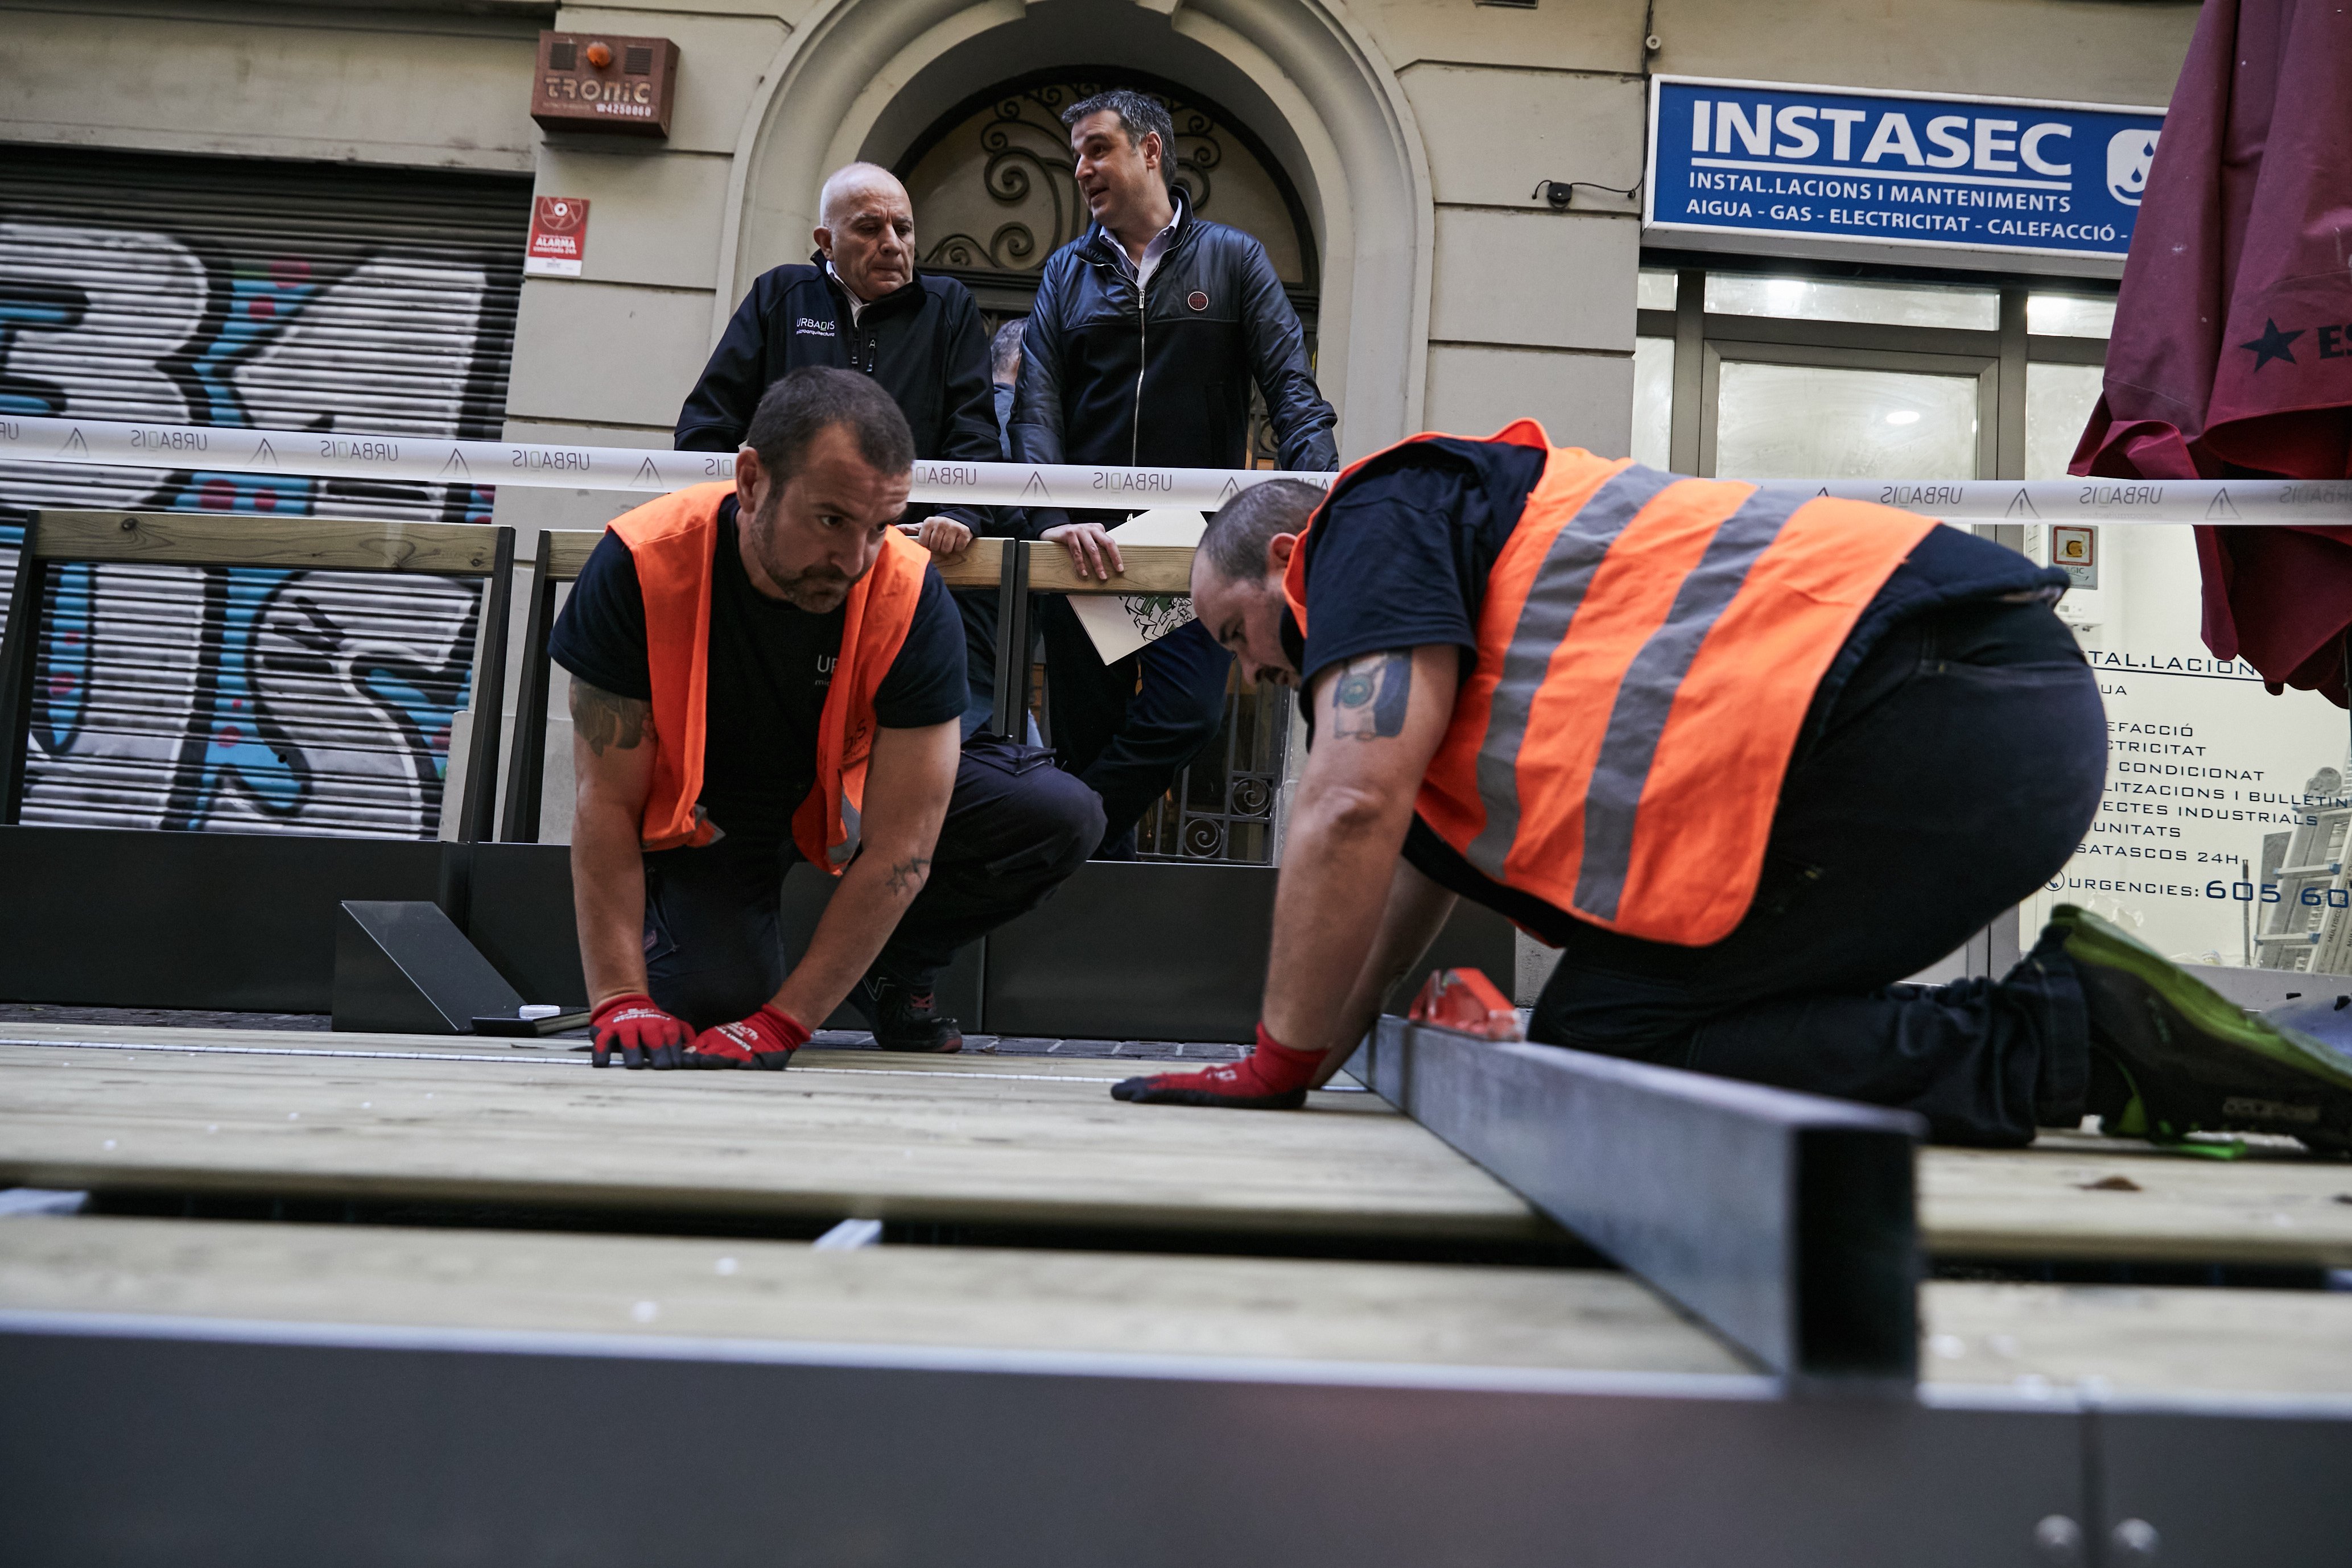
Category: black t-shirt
[1401,558]
[770,665]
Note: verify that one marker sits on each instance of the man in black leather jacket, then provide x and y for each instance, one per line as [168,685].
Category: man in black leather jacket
[1147,333]
[859,304]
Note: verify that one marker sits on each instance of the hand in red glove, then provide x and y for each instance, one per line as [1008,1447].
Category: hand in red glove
[644,1035]
[766,1039]
[1272,1077]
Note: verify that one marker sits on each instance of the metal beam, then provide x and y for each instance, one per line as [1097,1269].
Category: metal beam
[1783,1221]
[173,1441]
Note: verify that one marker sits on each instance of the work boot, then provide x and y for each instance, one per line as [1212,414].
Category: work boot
[904,1019]
[2171,1056]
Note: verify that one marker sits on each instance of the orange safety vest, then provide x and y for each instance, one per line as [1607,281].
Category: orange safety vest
[1648,647]
[674,541]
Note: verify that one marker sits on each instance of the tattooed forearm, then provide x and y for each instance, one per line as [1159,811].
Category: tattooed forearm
[601,719]
[907,876]
[1369,702]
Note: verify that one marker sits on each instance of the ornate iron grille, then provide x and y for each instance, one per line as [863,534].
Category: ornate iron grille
[994,181]
[1221,807]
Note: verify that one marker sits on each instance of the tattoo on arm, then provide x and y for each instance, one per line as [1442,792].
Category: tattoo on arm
[907,876]
[1369,702]
[602,718]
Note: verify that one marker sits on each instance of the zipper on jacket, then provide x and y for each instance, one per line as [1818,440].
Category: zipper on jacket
[1142,357]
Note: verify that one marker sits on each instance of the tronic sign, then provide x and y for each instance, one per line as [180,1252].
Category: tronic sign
[1736,157]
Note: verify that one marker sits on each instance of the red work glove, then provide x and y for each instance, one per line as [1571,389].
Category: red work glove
[644,1035]
[766,1039]
[1272,1077]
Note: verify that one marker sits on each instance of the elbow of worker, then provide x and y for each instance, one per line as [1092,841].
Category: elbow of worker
[1350,812]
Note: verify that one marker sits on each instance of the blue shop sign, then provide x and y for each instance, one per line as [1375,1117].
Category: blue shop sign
[1979,174]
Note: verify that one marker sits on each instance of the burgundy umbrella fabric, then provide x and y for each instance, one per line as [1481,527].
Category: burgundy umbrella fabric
[2232,356]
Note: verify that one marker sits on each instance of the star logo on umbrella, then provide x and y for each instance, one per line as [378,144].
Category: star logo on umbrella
[2273,344]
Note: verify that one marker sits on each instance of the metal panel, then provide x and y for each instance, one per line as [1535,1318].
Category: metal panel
[402,967]
[1783,1220]
[1200,977]
[520,916]
[249,1444]
[232,921]
[348,301]
[2221,1484]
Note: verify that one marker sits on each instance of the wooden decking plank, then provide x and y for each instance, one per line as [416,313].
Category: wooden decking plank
[465,1048]
[914,1144]
[2289,1343]
[2134,1339]
[1121,1304]
[2069,1201]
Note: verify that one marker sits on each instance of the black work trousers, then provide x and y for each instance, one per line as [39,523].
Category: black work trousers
[1127,728]
[1016,827]
[1954,773]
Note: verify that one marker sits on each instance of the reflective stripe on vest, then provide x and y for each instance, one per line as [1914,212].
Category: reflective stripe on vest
[1561,585]
[1648,647]
[673,541]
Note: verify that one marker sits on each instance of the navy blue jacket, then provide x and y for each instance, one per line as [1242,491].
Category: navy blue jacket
[923,342]
[1109,377]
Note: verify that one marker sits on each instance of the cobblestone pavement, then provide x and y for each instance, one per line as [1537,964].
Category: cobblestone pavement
[831,1039]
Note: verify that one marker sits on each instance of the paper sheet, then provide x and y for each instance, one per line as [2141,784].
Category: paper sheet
[1119,626]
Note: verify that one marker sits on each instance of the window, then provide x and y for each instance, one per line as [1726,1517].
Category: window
[2221,839]
[1794,374]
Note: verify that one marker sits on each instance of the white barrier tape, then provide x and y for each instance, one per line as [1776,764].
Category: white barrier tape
[443,461]
[440,460]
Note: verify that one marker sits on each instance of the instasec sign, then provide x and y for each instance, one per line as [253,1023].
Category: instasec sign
[2010,174]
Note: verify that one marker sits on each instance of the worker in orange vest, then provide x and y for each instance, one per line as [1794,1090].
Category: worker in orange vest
[771,671]
[1747,758]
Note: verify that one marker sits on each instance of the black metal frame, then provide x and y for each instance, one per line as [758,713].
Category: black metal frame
[20,658]
[1014,608]
[526,767]
[1783,1221]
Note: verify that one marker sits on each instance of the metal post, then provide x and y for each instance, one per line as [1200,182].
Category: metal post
[20,648]
[520,823]
[473,819]
[1013,643]
[1783,1221]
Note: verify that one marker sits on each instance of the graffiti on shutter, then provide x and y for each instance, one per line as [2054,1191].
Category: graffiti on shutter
[251,699]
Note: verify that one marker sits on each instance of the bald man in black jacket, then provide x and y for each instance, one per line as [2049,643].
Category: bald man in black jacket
[858,303]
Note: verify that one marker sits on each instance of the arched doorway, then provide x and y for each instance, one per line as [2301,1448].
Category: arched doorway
[994,194]
[870,79]
[1295,129]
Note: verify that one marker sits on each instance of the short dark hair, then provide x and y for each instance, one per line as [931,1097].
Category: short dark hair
[1236,537]
[1004,348]
[799,407]
[1140,115]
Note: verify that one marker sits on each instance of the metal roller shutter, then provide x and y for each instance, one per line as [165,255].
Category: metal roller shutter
[235,292]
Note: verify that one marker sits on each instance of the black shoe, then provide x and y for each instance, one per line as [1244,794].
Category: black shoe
[904,1019]
[2187,1060]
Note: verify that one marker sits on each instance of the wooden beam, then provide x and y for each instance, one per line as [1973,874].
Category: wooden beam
[980,565]
[888,1144]
[977,567]
[306,543]
[568,549]
[1149,569]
